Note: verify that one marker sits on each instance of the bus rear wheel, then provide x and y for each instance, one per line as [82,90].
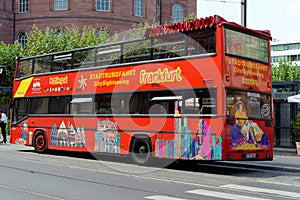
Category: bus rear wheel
[140,151]
[40,142]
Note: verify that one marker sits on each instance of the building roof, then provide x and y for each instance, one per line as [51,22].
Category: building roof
[285,42]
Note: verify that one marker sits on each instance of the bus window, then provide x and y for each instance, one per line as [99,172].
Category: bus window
[42,64]
[20,109]
[59,105]
[107,55]
[202,42]
[255,105]
[103,104]
[124,103]
[159,108]
[164,105]
[81,105]
[84,58]
[39,106]
[138,103]
[24,68]
[199,101]
[136,51]
[61,62]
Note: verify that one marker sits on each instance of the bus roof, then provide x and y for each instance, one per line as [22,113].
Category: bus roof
[200,24]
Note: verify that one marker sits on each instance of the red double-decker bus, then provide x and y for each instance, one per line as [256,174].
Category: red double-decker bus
[199,90]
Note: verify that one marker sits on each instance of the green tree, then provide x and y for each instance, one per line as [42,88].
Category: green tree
[286,71]
[191,17]
[53,40]
[41,42]
[8,53]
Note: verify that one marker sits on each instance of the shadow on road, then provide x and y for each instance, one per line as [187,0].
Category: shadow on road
[210,167]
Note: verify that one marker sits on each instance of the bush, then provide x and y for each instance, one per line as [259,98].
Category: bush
[296,127]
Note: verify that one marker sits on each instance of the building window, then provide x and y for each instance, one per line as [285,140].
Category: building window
[103,5]
[177,13]
[22,38]
[138,8]
[23,6]
[60,4]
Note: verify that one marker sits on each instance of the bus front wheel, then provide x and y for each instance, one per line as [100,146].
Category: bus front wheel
[140,151]
[40,142]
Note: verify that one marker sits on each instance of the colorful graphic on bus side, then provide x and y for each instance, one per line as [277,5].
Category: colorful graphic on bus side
[204,145]
[246,134]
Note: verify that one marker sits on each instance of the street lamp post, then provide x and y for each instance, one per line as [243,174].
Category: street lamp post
[244,12]
[159,11]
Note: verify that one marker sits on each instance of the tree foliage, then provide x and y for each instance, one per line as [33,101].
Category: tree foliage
[286,71]
[9,53]
[45,41]
[53,40]
[191,17]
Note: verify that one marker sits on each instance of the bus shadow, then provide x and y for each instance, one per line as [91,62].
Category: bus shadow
[210,167]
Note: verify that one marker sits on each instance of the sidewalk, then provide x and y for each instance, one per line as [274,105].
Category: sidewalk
[285,151]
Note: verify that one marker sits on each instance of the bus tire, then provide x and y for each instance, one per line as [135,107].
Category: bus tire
[140,150]
[40,142]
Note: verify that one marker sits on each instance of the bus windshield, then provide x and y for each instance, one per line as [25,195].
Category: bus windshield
[246,46]
[253,104]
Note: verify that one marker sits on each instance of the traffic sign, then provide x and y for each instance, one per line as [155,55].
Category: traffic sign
[5,88]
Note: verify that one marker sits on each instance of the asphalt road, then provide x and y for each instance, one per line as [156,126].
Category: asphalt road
[25,174]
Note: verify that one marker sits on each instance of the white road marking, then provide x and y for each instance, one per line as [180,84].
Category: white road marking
[261,190]
[278,183]
[223,195]
[160,197]
[30,192]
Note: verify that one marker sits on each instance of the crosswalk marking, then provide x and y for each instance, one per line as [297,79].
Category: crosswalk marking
[159,197]
[229,189]
[262,190]
[223,195]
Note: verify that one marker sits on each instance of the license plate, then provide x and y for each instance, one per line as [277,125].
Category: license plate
[250,155]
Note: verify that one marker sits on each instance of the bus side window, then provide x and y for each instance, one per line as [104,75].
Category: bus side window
[103,104]
[42,64]
[25,68]
[157,108]
[138,103]
[81,105]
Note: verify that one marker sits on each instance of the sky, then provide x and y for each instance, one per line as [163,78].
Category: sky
[280,17]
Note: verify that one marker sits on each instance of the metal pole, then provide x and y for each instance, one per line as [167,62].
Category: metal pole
[156,11]
[244,13]
[14,21]
[160,12]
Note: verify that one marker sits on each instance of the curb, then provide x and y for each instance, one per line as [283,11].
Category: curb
[265,167]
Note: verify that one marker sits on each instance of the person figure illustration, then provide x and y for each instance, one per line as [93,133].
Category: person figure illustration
[198,156]
[241,119]
[240,114]
[249,129]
